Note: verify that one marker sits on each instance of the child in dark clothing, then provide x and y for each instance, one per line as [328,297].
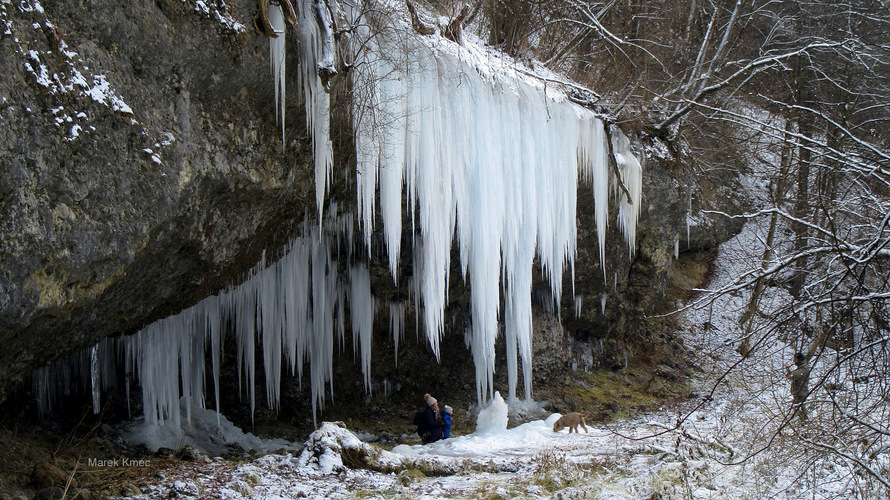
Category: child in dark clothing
[446,420]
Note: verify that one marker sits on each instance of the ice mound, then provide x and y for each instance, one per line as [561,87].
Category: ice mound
[208,432]
[493,418]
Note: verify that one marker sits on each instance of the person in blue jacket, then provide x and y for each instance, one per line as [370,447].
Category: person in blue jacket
[429,421]
[446,420]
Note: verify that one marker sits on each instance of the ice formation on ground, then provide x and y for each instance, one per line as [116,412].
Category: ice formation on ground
[208,432]
[492,418]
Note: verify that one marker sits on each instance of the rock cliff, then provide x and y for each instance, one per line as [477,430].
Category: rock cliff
[142,169]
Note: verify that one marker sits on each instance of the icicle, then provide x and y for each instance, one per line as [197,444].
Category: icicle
[184,345]
[632,177]
[313,32]
[243,309]
[603,304]
[512,352]
[94,377]
[277,60]
[127,385]
[579,301]
[677,247]
[595,167]
[321,351]
[271,312]
[689,223]
[397,326]
[362,308]
[214,321]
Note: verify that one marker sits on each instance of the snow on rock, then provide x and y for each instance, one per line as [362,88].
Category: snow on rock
[326,448]
[208,432]
[526,410]
[220,12]
[187,488]
[60,70]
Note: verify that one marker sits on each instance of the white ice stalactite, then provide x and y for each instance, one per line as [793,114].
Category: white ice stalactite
[397,326]
[291,306]
[215,335]
[325,294]
[380,148]
[94,377]
[362,313]
[271,314]
[186,355]
[595,165]
[512,368]
[518,249]
[632,178]
[277,60]
[579,302]
[156,361]
[296,304]
[313,34]
[316,57]
[242,307]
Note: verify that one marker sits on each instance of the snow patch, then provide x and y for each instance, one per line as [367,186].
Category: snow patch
[219,12]
[74,76]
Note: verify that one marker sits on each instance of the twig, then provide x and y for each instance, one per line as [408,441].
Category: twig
[614,163]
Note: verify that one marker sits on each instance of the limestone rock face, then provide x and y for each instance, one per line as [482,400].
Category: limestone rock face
[550,348]
[142,169]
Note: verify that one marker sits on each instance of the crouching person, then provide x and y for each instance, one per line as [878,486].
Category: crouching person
[429,421]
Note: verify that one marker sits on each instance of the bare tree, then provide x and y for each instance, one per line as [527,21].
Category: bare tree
[808,81]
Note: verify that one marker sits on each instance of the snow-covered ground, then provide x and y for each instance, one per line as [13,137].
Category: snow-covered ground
[728,443]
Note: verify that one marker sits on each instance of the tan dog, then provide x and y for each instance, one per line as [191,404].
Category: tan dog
[570,420]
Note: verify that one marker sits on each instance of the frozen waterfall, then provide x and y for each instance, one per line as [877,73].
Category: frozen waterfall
[484,157]
[490,155]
